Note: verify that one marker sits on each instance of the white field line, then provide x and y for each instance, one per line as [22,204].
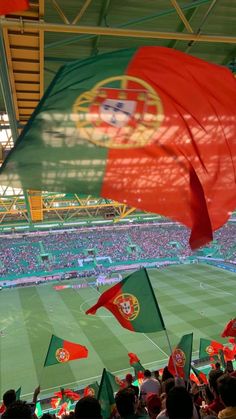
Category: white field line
[205,286]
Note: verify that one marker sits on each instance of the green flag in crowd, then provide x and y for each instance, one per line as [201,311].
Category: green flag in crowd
[181,357]
[38,410]
[106,396]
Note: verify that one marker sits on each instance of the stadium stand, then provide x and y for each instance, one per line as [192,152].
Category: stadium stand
[53,251]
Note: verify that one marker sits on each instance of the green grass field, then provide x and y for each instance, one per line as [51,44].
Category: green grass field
[192,298]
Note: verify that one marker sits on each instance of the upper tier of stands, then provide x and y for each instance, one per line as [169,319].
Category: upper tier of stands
[58,250]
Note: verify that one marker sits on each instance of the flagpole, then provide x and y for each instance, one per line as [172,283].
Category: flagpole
[168,340]
[41,376]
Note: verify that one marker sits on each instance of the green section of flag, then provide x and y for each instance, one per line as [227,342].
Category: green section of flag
[54,344]
[106,396]
[222,358]
[148,318]
[18,393]
[204,344]
[38,410]
[115,381]
[186,345]
[50,154]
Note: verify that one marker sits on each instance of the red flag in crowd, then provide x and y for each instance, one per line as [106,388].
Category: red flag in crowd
[230,329]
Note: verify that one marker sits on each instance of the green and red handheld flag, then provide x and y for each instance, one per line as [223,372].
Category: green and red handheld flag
[61,351]
[106,396]
[124,126]
[91,390]
[137,366]
[200,375]
[133,303]
[181,356]
[11,6]
[209,348]
[230,329]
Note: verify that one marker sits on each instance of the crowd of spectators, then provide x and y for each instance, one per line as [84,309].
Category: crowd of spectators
[165,397]
[24,255]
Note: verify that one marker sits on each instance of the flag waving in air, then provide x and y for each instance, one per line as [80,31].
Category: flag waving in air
[106,396]
[137,366]
[11,6]
[181,357]
[209,348]
[133,303]
[200,375]
[230,329]
[124,126]
[61,351]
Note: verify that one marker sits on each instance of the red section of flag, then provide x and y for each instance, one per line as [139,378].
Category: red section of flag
[11,6]
[2,409]
[55,402]
[215,347]
[133,358]
[75,350]
[187,168]
[194,378]
[106,300]
[63,408]
[228,353]
[230,329]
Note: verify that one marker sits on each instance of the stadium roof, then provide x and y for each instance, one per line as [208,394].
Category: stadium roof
[35,43]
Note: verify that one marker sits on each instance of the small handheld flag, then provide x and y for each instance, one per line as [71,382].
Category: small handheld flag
[106,396]
[137,366]
[209,348]
[133,303]
[200,375]
[181,357]
[61,351]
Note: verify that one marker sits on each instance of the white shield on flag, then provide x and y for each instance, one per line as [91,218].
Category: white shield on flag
[117,112]
[126,307]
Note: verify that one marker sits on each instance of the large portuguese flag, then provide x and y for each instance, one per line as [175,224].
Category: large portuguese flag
[151,127]
[61,351]
[209,348]
[133,303]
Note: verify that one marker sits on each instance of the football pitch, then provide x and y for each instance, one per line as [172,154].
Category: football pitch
[192,298]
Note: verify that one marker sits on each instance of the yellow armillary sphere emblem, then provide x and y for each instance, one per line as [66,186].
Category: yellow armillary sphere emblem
[62,355]
[119,112]
[128,306]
